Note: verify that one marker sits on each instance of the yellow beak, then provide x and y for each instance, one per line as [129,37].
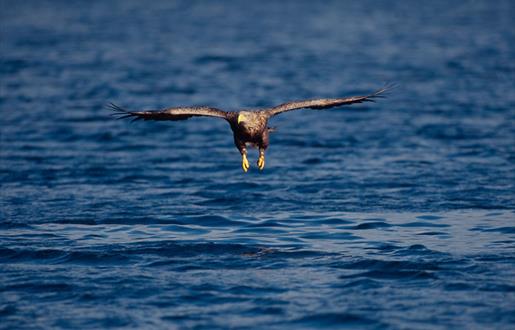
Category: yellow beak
[240,118]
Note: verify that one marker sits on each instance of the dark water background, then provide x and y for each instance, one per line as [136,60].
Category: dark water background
[398,214]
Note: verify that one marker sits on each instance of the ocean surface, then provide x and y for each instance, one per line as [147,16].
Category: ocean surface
[398,214]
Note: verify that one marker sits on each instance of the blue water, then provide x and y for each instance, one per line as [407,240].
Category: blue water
[398,214]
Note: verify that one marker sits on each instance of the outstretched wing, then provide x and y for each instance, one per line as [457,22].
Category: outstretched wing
[325,103]
[174,114]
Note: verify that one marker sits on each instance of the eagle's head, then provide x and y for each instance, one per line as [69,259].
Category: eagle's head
[244,117]
[250,121]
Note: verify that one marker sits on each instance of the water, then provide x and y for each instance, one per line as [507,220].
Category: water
[398,214]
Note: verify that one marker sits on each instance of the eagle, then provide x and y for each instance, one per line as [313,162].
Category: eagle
[249,127]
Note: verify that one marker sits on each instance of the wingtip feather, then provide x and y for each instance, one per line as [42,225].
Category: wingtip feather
[116,108]
[388,87]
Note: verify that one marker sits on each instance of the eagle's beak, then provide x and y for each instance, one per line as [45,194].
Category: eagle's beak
[240,118]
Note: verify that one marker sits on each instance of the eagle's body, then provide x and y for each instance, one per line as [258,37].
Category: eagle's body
[250,128]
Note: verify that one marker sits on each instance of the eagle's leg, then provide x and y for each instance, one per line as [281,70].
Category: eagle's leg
[243,151]
[244,161]
[261,159]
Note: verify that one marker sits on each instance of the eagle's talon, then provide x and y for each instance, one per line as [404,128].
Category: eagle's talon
[245,163]
[261,163]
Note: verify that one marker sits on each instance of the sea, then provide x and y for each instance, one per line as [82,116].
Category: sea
[398,214]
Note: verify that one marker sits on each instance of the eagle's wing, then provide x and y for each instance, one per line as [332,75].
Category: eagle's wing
[325,103]
[174,114]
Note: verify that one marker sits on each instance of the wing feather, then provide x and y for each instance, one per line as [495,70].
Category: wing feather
[326,103]
[173,114]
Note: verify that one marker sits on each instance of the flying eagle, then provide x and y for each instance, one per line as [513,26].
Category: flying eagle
[250,128]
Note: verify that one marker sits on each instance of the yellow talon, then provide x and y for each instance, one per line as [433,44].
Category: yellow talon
[261,162]
[245,163]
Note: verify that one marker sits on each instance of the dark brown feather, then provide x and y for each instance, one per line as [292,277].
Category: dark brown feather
[173,114]
[325,103]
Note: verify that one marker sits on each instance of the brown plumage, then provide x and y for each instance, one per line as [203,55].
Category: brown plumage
[249,127]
